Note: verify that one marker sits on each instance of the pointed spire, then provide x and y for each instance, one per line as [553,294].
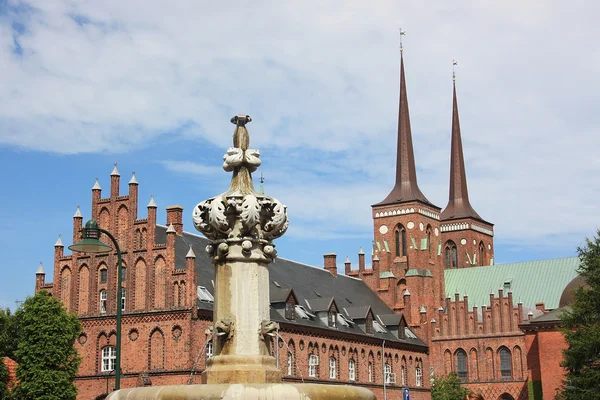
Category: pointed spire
[40,269]
[152,203]
[171,229]
[115,171]
[458,202]
[406,188]
[59,242]
[361,251]
[133,180]
[96,185]
[347,260]
[190,253]
[78,213]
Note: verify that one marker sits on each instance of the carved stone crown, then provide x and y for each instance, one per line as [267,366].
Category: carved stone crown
[241,217]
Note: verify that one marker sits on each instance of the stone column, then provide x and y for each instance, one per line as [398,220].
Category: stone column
[241,225]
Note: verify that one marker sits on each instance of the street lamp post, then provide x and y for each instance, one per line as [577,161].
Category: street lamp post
[91,244]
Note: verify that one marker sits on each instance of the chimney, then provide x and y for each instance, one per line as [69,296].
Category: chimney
[114,182]
[175,218]
[329,260]
[133,196]
[347,266]
[541,307]
[361,260]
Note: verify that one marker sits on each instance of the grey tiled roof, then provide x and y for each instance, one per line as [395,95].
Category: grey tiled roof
[306,281]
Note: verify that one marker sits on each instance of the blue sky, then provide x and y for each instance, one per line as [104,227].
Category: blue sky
[87,84]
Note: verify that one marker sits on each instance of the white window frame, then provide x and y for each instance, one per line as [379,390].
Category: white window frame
[387,371]
[313,361]
[403,374]
[103,298]
[108,359]
[332,369]
[290,363]
[351,370]
[332,319]
[370,371]
[123,299]
[204,295]
[418,376]
[209,349]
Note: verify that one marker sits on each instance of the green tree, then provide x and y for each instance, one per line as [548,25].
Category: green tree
[3,379]
[47,359]
[9,334]
[448,388]
[581,327]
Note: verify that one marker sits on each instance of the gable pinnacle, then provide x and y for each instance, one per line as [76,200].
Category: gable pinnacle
[40,269]
[190,253]
[115,171]
[59,242]
[78,213]
[96,185]
[458,199]
[171,229]
[405,188]
[152,203]
[133,180]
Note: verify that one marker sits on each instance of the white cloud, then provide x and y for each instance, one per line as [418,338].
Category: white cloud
[321,83]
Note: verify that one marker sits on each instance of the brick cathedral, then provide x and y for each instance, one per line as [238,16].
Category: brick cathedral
[395,325]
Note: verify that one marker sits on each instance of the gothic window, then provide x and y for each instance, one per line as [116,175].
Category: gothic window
[387,371]
[505,363]
[370,371]
[290,364]
[109,355]
[403,371]
[400,239]
[123,272]
[461,364]
[209,349]
[331,318]
[419,375]
[429,240]
[351,370]
[332,371]
[103,301]
[313,362]
[481,254]
[290,311]
[451,254]
[123,299]
[103,275]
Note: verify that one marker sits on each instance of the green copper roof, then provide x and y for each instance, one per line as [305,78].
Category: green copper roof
[531,282]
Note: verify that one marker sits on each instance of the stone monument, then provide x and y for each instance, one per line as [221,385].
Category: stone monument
[241,225]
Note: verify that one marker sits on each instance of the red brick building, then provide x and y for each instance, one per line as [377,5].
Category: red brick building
[394,325]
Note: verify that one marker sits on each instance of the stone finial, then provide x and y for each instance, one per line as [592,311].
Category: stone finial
[78,213]
[59,242]
[406,292]
[96,185]
[171,229]
[423,310]
[190,253]
[347,260]
[115,171]
[361,251]
[152,203]
[376,258]
[40,270]
[133,180]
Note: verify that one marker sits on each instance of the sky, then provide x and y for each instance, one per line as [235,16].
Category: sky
[85,84]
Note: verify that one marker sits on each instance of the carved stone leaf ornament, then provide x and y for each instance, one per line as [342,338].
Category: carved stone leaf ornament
[250,214]
[216,217]
[201,221]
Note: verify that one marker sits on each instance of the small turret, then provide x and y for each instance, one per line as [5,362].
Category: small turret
[133,196]
[40,277]
[115,177]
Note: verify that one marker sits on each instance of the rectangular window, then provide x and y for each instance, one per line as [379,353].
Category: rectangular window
[290,311]
[209,350]
[370,371]
[332,372]
[313,362]
[388,372]
[103,275]
[123,273]
[332,318]
[122,299]
[103,301]
[418,376]
[290,363]
[351,370]
[109,355]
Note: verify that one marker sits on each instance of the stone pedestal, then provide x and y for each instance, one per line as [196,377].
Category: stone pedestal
[245,392]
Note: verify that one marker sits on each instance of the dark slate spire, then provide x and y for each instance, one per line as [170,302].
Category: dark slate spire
[406,188]
[458,202]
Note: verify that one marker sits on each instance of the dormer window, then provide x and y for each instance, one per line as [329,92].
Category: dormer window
[369,323]
[332,319]
[290,311]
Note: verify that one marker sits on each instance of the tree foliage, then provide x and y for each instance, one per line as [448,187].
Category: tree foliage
[581,327]
[3,379]
[47,359]
[9,334]
[448,388]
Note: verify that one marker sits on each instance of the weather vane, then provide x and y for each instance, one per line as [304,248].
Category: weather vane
[402,33]
[454,64]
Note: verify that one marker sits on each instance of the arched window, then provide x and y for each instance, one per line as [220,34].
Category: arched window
[103,301]
[209,349]
[332,371]
[482,254]
[370,371]
[351,370]
[418,375]
[451,254]
[313,362]
[505,363]
[109,355]
[103,275]
[403,371]
[461,364]
[290,364]
[400,239]
[387,371]
[123,272]
[429,240]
